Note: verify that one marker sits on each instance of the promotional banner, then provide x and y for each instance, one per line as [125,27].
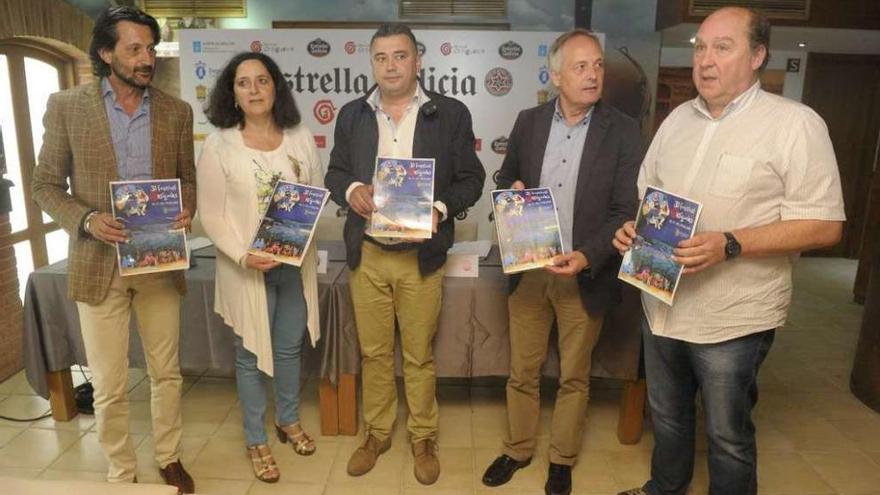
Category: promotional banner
[495,73]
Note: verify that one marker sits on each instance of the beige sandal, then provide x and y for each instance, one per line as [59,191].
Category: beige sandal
[302,443]
[263,463]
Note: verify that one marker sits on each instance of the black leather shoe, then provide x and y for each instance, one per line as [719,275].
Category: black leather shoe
[558,480]
[502,470]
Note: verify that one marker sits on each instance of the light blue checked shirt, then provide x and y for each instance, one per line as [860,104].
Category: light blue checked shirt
[131,135]
[562,162]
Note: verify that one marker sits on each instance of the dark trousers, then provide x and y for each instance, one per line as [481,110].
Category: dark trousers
[726,375]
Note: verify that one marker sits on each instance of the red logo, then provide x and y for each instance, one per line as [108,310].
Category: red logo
[446,48]
[324,111]
[321,141]
[256,46]
[350,47]
[478,144]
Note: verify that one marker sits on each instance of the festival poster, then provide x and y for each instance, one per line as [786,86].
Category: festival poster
[664,219]
[528,228]
[287,228]
[148,208]
[403,191]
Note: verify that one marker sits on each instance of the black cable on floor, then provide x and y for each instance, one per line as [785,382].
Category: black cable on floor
[20,420]
[83,400]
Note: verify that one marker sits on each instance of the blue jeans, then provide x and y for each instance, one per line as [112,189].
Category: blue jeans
[726,375]
[287,322]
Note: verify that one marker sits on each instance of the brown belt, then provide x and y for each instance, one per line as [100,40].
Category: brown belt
[401,246]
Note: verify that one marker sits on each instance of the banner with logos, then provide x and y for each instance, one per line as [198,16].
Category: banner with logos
[495,73]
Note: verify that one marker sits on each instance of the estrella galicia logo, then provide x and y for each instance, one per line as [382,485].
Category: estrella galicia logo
[510,50]
[543,74]
[201,70]
[499,145]
[498,81]
[256,46]
[542,50]
[319,48]
[197,47]
[420,47]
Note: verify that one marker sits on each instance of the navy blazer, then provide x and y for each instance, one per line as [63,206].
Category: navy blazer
[606,194]
[443,132]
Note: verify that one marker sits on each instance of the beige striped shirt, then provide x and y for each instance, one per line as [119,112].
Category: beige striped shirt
[765,159]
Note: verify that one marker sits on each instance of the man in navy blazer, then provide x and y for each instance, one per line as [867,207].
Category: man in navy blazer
[588,153]
[392,278]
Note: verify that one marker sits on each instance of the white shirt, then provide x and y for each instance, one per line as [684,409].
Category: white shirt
[232,193]
[396,139]
[765,159]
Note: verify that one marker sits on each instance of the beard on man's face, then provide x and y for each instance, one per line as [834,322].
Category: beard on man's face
[140,77]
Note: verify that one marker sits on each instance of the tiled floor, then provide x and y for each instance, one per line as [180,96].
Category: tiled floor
[814,437]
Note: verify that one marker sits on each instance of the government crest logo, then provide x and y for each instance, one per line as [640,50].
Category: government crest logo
[201,93]
[350,47]
[197,46]
[201,70]
[498,81]
[543,74]
[543,96]
[446,48]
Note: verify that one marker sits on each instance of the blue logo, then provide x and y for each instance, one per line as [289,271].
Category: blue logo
[542,50]
[197,47]
[543,74]
[201,70]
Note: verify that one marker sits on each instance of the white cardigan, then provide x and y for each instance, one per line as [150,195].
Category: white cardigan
[227,207]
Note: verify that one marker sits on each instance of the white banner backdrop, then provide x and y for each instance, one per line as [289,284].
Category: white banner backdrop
[495,73]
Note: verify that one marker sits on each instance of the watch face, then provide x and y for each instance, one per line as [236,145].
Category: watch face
[732,248]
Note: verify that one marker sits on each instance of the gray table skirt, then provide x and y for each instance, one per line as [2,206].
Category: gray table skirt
[471,336]
[472,331]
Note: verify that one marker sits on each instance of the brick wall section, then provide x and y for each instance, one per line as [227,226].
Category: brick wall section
[10,308]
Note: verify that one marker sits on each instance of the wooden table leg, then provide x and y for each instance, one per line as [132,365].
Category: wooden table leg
[327,397]
[632,412]
[348,414]
[61,395]
[338,406]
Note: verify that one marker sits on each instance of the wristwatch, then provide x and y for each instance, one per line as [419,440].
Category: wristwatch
[88,222]
[732,248]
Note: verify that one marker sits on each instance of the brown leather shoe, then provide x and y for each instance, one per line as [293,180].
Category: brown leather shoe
[175,475]
[364,458]
[426,466]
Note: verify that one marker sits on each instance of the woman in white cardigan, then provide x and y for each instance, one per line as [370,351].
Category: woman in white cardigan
[270,306]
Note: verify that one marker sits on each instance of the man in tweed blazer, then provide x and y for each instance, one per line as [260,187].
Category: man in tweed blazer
[119,128]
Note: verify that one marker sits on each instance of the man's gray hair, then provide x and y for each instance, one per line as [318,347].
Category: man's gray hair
[555,58]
